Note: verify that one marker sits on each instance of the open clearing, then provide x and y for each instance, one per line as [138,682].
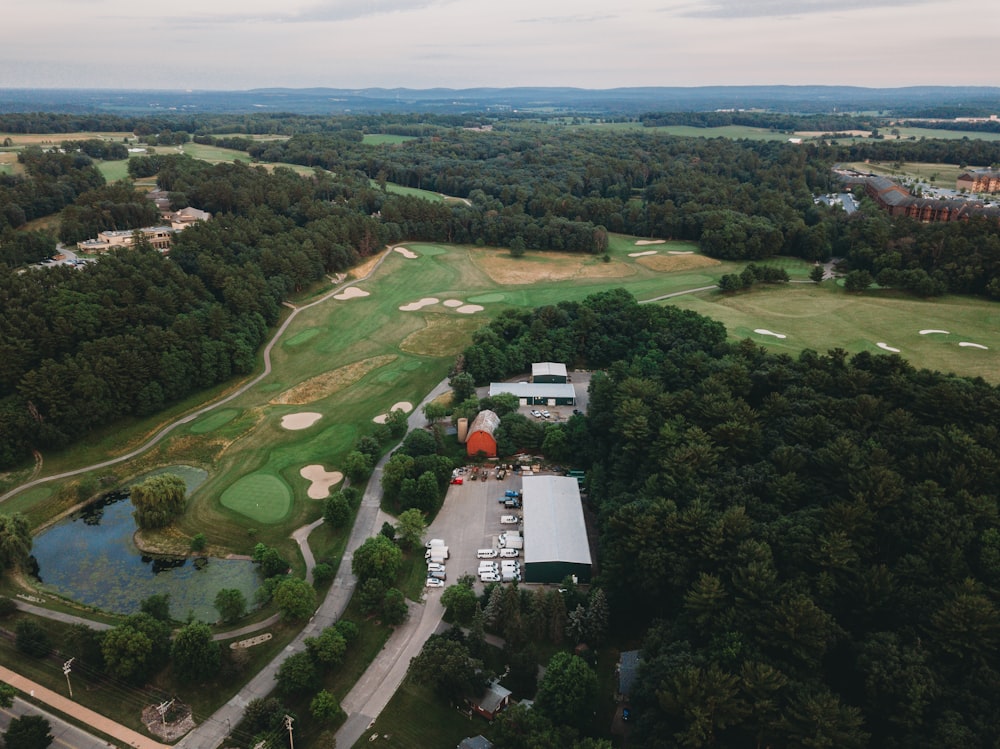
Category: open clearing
[677,263]
[442,335]
[326,384]
[942,175]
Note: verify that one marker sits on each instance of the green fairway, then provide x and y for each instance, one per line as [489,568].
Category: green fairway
[213,154]
[113,170]
[259,496]
[826,317]
[213,420]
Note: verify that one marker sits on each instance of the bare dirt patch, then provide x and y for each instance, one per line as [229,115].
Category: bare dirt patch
[443,335]
[320,480]
[362,271]
[172,726]
[302,420]
[675,263]
[553,266]
[328,383]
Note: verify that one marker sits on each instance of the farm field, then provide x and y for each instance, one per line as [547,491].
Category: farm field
[20,140]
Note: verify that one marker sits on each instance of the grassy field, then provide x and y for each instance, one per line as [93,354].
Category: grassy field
[381,139]
[20,140]
[941,175]
[114,170]
[212,154]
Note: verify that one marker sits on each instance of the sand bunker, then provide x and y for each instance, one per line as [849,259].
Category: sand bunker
[680,252]
[452,302]
[644,242]
[351,292]
[328,383]
[966,344]
[887,347]
[414,306]
[302,420]
[321,479]
[468,309]
[404,406]
[641,254]
[409,254]
[765,331]
[928,331]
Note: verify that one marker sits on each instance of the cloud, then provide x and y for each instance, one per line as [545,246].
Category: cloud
[570,19]
[327,12]
[773,8]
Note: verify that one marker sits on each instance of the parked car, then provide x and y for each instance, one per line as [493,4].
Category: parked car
[508,553]
[458,480]
[536,414]
[435,566]
[509,520]
[486,553]
[433,582]
[512,493]
[439,574]
[545,414]
[512,503]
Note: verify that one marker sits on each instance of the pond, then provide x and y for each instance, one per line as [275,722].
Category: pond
[89,557]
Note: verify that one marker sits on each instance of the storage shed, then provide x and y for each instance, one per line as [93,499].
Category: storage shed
[481,439]
[555,534]
[548,371]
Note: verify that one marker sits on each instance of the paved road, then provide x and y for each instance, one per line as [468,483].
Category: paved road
[678,293]
[64,735]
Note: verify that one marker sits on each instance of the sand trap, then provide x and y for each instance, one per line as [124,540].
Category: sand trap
[680,252]
[966,344]
[452,302]
[642,254]
[644,242]
[321,479]
[765,331]
[933,330]
[468,309]
[409,254]
[404,406]
[351,292]
[302,420]
[414,306]
[887,347]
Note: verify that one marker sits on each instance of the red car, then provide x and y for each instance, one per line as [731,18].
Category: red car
[457,480]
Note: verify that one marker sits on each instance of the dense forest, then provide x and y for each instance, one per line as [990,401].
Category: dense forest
[813,544]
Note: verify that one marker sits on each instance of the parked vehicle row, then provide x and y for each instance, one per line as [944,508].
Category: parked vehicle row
[435,555]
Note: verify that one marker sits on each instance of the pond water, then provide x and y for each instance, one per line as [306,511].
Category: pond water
[89,557]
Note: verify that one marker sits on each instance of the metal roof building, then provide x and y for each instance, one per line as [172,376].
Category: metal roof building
[555,534]
[537,393]
[548,371]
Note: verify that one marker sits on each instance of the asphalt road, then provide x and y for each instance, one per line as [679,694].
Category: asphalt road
[64,735]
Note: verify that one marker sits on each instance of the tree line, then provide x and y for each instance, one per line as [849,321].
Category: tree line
[812,542]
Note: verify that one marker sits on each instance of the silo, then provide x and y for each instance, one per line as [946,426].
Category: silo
[463,430]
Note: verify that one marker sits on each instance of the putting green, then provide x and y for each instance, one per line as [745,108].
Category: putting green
[260,496]
[213,421]
[487,298]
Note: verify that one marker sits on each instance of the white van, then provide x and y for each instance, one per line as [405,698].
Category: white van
[489,577]
[486,553]
[488,566]
[509,519]
[510,576]
[509,553]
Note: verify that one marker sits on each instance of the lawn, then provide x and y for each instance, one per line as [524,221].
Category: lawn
[413,192]
[382,139]
[213,154]
[940,175]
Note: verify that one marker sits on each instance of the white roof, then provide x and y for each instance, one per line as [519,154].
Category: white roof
[554,529]
[534,389]
[548,368]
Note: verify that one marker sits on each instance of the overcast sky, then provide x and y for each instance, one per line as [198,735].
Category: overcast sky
[239,44]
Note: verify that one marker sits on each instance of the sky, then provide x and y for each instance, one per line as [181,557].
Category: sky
[243,44]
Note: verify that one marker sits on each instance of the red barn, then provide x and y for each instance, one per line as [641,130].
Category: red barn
[481,439]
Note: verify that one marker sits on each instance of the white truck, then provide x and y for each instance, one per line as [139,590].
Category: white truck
[437,554]
[511,540]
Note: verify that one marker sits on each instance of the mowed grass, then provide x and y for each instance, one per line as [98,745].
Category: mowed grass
[942,175]
[383,139]
[213,154]
[260,496]
[113,170]
[416,717]
[825,317]
[413,192]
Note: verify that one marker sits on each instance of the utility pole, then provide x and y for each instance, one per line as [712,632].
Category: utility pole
[67,667]
[288,725]
[162,710]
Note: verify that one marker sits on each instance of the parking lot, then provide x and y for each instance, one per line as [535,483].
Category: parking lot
[470,520]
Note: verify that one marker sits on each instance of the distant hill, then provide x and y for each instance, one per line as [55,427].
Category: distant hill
[908,101]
